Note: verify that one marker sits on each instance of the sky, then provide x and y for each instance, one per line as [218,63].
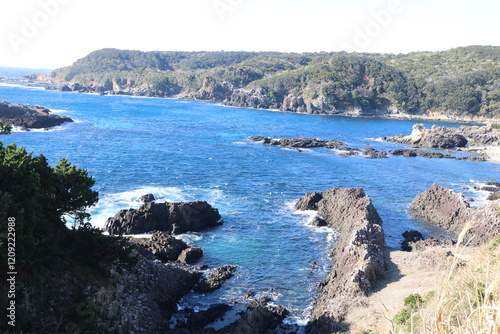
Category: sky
[55,33]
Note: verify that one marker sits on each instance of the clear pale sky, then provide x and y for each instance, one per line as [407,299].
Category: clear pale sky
[55,33]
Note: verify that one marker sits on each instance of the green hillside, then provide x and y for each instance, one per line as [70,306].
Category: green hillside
[459,82]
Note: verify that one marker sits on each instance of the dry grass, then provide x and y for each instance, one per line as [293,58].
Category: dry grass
[467,300]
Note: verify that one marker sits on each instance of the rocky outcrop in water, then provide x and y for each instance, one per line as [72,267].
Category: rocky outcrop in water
[358,256]
[431,154]
[298,142]
[258,316]
[450,210]
[29,117]
[444,137]
[215,279]
[162,246]
[175,218]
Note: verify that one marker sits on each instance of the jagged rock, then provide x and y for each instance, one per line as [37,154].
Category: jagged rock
[147,198]
[443,140]
[29,117]
[260,317]
[319,222]
[430,154]
[176,218]
[358,254]
[309,201]
[190,255]
[215,279]
[251,99]
[199,320]
[442,207]
[141,300]
[494,196]
[443,137]
[425,244]
[410,237]
[445,208]
[372,153]
[296,104]
[162,245]
[301,142]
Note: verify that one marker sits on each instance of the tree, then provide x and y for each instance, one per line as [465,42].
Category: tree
[5,129]
[38,196]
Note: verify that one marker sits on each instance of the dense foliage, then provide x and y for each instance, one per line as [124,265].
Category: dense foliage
[5,129]
[40,198]
[463,81]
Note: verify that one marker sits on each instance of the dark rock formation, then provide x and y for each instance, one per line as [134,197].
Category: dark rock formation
[215,279]
[147,198]
[358,255]
[176,218]
[197,321]
[29,117]
[309,201]
[260,317]
[162,245]
[190,255]
[298,142]
[372,153]
[421,153]
[142,300]
[445,208]
[410,237]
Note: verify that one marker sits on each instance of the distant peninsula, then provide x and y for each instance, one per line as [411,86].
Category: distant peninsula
[458,84]
[29,117]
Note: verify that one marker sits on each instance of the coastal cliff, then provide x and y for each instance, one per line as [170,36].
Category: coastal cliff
[317,83]
[358,256]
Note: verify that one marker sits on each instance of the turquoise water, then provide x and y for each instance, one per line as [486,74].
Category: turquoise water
[188,150]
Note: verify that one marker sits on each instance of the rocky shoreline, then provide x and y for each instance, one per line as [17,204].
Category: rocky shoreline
[178,264]
[226,94]
[29,117]
[298,144]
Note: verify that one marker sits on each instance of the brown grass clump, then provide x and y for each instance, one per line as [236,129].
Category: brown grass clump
[466,301]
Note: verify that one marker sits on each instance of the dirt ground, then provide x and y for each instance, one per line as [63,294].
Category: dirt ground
[408,272]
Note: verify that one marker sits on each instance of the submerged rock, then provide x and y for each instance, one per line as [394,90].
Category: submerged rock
[176,218]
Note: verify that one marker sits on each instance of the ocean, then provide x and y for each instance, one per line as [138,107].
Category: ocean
[191,150]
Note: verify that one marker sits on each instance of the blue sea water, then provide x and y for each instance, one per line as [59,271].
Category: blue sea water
[190,150]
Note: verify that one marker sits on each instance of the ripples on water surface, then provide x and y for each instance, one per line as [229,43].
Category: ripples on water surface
[188,150]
